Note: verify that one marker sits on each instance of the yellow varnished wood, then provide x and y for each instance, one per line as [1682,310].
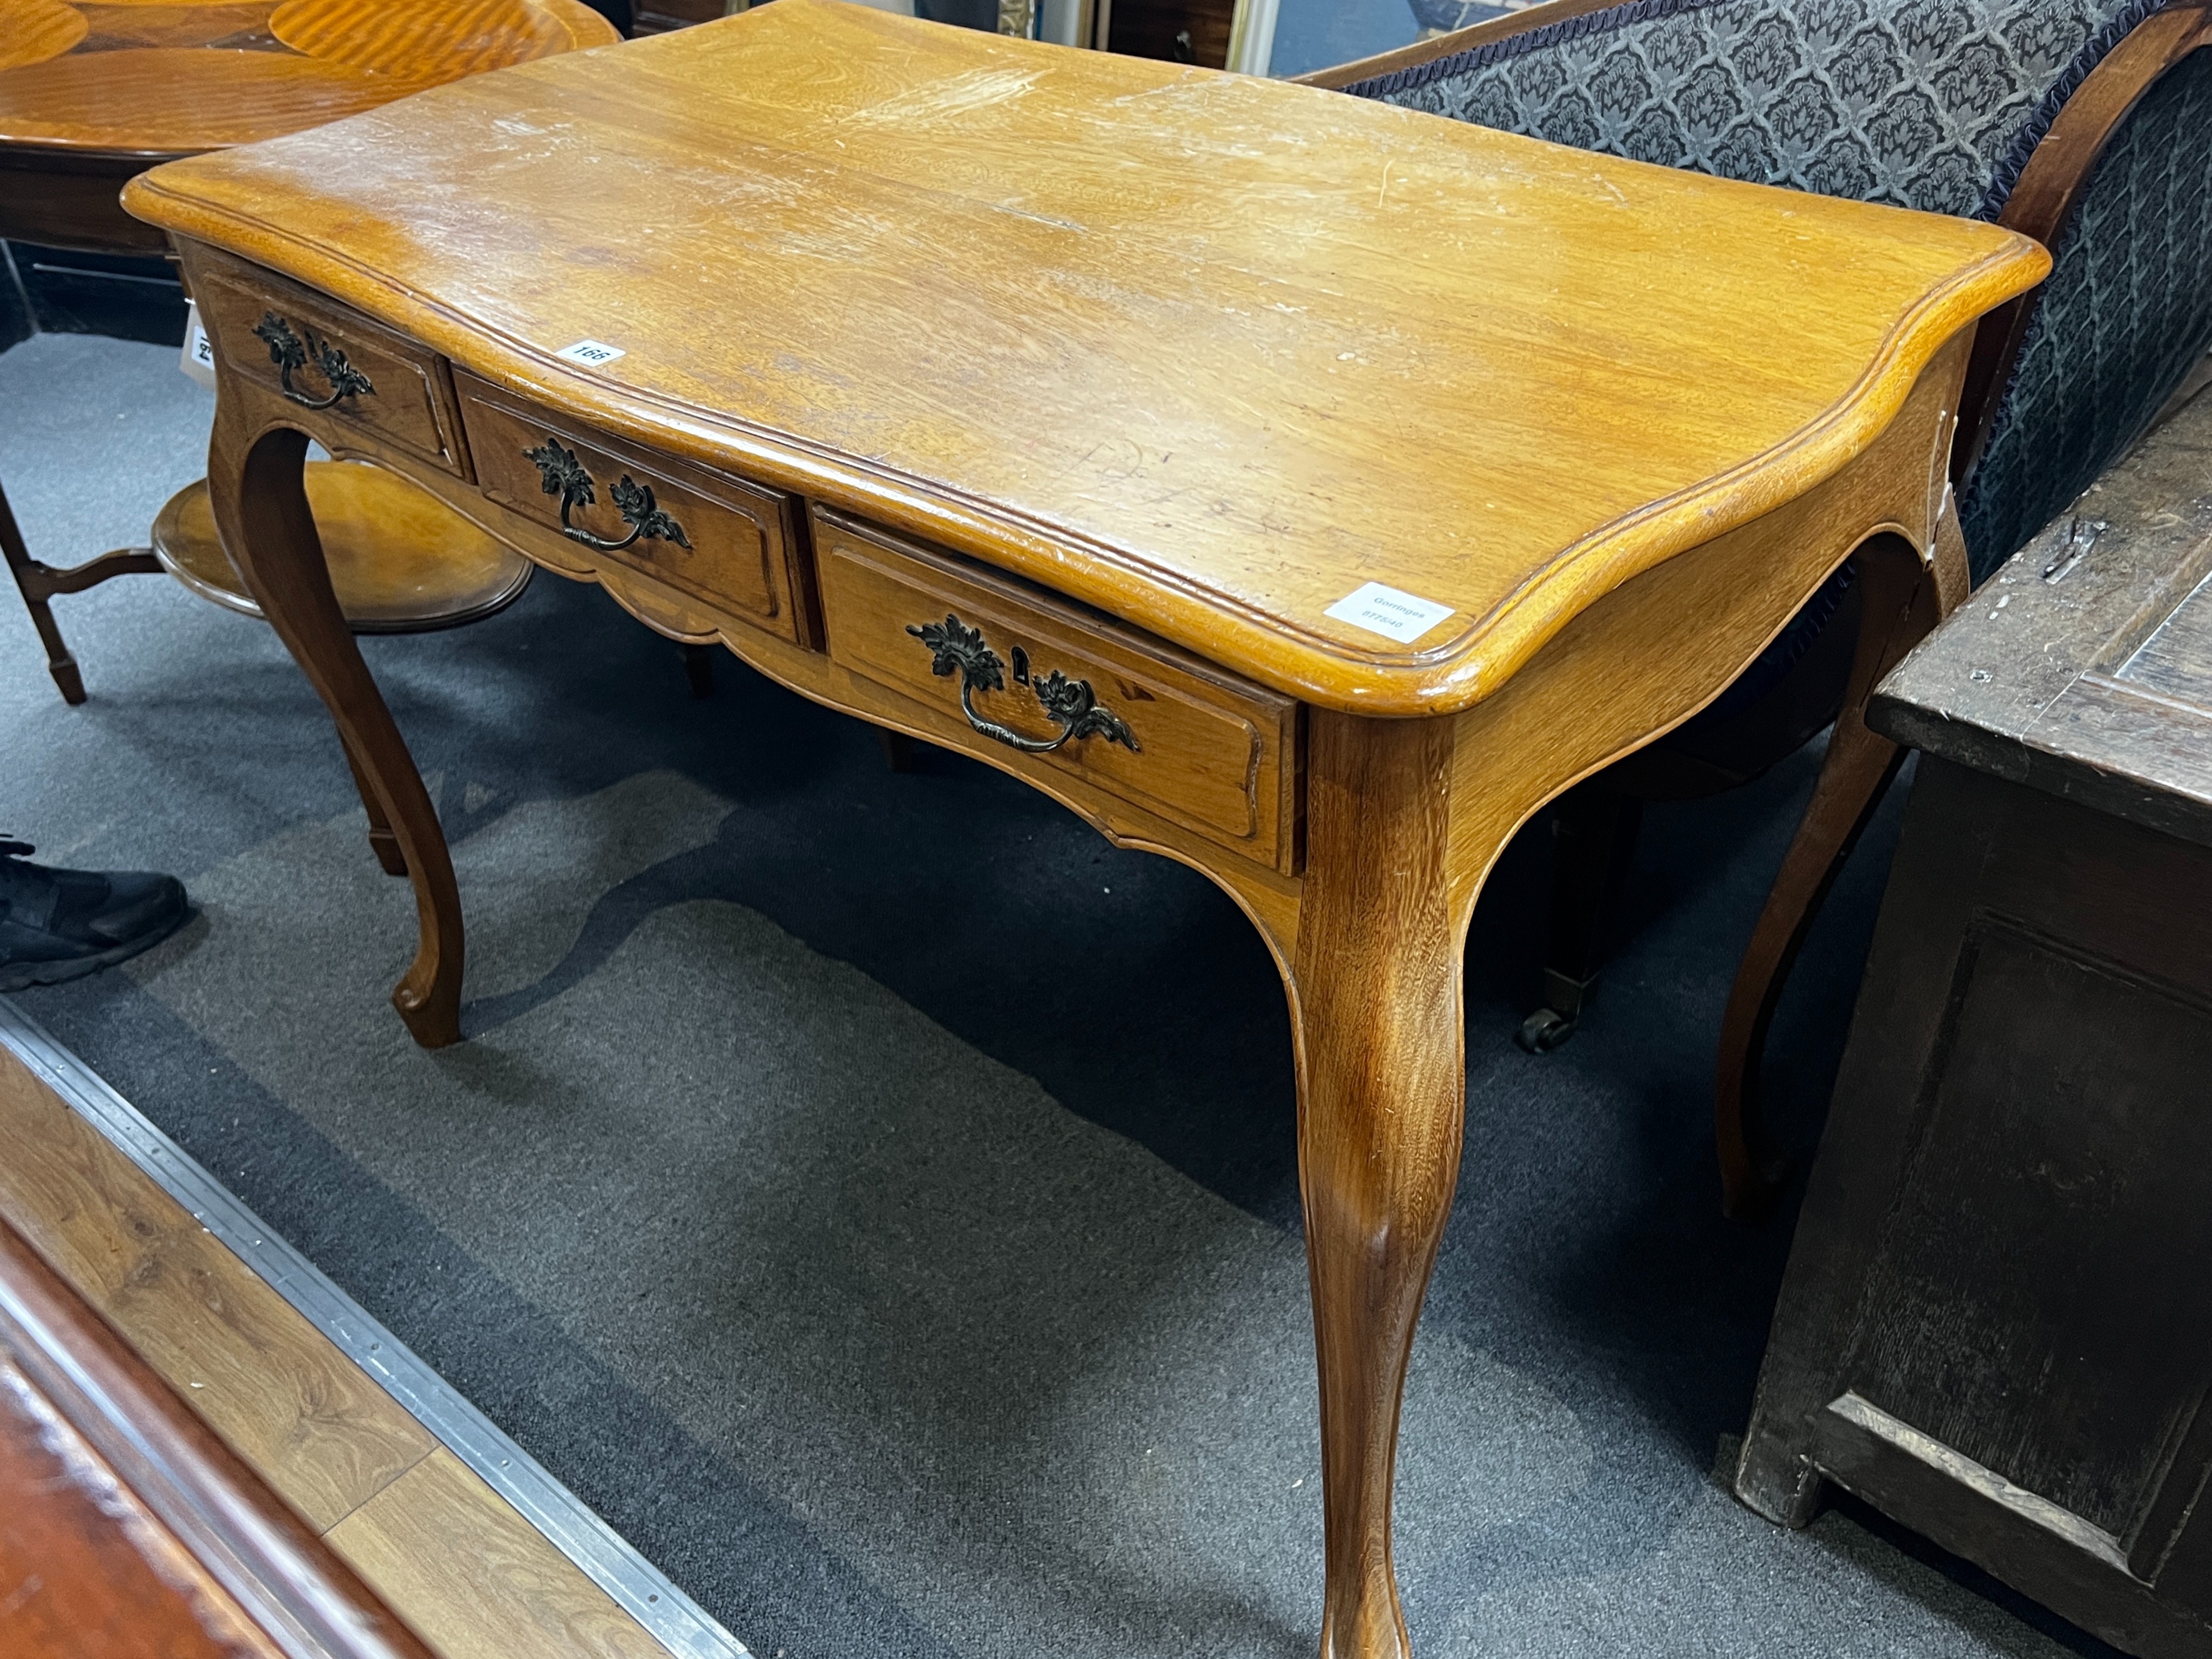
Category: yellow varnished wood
[169,77]
[401,560]
[477,1580]
[1215,755]
[127,24]
[410,403]
[306,1419]
[738,547]
[1206,351]
[180,98]
[431,40]
[36,30]
[420,1529]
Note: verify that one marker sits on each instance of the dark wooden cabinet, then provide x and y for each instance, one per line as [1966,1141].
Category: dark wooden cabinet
[1997,1323]
[1174,31]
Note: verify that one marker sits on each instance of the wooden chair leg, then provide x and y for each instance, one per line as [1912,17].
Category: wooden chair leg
[38,583]
[1594,830]
[897,747]
[1382,1088]
[699,671]
[1903,602]
[255,486]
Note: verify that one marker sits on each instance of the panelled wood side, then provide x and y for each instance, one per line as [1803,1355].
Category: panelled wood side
[1996,1325]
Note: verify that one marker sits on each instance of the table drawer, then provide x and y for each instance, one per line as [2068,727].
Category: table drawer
[1127,713]
[324,357]
[705,534]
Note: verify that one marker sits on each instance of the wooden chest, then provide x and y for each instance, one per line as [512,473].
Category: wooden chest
[1997,1323]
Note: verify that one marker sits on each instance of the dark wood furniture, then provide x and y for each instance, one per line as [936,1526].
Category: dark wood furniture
[1596,825]
[1128,498]
[127,1529]
[1172,31]
[1997,1322]
[92,95]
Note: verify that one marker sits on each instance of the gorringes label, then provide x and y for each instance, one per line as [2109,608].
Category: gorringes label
[1385,611]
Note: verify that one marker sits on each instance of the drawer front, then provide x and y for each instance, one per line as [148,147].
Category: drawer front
[1127,714]
[717,538]
[358,376]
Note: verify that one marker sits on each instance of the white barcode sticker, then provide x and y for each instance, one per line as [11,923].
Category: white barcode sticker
[590,353]
[1385,611]
[198,359]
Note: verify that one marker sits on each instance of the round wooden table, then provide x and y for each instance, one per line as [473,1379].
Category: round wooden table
[91,95]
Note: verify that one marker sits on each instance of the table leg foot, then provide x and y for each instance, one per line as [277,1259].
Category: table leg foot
[254,480]
[1380,1099]
[1902,604]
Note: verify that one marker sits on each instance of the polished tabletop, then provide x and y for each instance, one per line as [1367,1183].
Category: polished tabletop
[153,77]
[1207,351]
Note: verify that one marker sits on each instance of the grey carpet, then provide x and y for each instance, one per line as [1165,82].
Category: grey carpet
[875,1194]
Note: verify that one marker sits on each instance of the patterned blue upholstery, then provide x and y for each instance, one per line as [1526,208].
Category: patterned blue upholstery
[1928,104]
[2127,310]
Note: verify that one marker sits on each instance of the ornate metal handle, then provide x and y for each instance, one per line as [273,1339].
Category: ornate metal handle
[564,476]
[1069,704]
[288,351]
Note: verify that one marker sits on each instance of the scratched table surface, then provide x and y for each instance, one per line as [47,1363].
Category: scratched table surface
[1209,352]
[149,77]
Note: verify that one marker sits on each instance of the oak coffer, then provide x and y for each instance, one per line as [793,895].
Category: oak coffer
[1997,1323]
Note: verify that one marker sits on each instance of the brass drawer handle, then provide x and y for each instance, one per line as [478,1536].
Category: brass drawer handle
[1069,704]
[564,476]
[288,352]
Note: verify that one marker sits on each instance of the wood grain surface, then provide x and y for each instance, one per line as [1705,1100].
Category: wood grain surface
[257,1578]
[1207,351]
[476,1578]
[2084,666]
[1192,352]
[39,30]
[463,1568]
[317,1430]
[161,79]
[402,561]
[1216,755]
[89,1571]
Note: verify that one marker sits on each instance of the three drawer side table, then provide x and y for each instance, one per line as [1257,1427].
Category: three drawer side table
[1297,487]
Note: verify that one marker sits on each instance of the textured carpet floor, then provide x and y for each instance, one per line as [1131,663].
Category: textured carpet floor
[875,1194]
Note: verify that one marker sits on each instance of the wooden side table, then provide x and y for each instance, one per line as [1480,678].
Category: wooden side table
[92,95]
[1997,1322]
[1300,488]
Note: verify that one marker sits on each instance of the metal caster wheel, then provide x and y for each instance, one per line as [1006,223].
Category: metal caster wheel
[1544,1030]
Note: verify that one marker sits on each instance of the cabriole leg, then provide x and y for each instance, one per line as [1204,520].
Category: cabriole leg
[254,482]
[1381,1090]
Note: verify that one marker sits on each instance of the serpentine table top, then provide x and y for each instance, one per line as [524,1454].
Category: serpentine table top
[1252,412]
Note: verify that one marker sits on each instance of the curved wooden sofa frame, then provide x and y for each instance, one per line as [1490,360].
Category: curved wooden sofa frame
[1893,616]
